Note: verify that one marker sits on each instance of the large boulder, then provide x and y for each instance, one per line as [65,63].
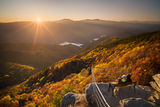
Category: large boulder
[74,100]
[136,102]
[143,92]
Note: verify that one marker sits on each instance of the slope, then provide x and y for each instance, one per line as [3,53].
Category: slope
[138,55]
[13,73]
[39,56]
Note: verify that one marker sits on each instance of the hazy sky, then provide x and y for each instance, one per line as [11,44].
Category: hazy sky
[123,10]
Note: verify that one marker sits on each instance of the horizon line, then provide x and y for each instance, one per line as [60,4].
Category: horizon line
[149,21]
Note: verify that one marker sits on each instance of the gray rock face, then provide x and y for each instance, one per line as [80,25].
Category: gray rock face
[74,100]
[135,102]
[124,92]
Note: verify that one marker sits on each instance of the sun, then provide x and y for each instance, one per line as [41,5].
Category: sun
[38,20]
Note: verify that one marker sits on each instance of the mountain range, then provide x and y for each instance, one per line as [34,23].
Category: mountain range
[70,31]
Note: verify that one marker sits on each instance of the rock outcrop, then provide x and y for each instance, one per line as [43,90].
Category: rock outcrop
[136,102]
[143,92]
[74,100]
[140,96]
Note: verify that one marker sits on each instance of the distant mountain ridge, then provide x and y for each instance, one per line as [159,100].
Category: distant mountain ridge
[72,31]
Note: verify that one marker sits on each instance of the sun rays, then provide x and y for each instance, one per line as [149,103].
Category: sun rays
[36,34]
[38,20]
[37,29]
[41,27]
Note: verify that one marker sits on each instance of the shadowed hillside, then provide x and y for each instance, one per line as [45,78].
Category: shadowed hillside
[13,73]
[40,56]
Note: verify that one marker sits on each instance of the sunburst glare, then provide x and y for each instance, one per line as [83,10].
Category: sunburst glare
[38,20]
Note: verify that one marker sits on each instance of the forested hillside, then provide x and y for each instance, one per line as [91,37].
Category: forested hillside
[138,55]
[14,73]
[16,59]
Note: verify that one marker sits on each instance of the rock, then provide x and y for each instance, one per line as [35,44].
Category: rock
[155,98]
[155,86]
[122,93]
[157,79]
[90,96]
[74,100]
[136,102]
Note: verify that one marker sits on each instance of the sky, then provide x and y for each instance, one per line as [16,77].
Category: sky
[50,10]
